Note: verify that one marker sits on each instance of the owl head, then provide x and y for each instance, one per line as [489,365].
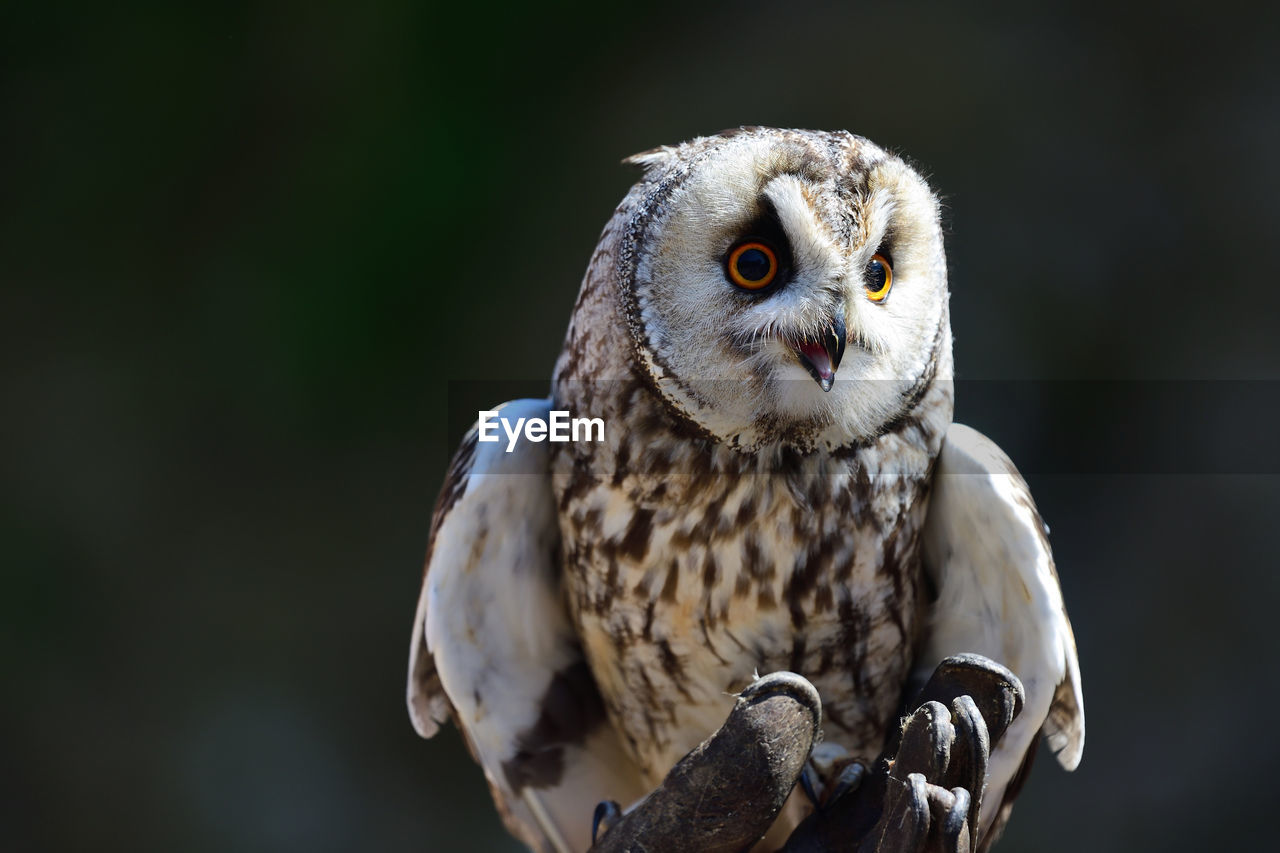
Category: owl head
[785,287]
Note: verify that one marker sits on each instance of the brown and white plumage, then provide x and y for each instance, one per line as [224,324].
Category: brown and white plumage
[987,551]
[493,644]
[590,608]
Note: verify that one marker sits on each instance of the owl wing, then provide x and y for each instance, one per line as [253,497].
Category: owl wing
[987,551]
[493,645]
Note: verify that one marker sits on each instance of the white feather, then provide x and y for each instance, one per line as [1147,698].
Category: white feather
[998,596]
[493,620]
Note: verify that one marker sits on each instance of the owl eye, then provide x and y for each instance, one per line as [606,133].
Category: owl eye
[879,278]
[752,265]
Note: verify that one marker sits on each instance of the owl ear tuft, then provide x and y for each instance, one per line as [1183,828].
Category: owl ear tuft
[652,160]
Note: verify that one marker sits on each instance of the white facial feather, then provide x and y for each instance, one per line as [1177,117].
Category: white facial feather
[725,357]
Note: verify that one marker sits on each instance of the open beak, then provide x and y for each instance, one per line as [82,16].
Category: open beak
[822,357]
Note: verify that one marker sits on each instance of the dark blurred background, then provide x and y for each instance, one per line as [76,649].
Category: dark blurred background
[245,248]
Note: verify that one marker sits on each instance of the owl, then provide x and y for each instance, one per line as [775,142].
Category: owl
[763,331]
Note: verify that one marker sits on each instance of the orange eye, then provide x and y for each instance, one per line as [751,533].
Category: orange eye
[879,278]
[752,265]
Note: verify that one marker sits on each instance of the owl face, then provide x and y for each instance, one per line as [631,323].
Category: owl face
[786,287]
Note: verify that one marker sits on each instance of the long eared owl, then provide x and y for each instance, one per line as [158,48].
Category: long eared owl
[764,331]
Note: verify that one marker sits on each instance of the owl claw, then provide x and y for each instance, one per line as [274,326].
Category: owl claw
[997,692]
[923,794]
[829,774]
[727,791]
[848,780]
[809,785]
[955,820]
[607,814]
[970,753]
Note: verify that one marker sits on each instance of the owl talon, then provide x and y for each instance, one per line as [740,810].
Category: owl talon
[808,784]
[997,692]
[848,780]
[825,782]
[925,746]
[607,814]
[954,821]
[970,753]
[726,792]
[923,795]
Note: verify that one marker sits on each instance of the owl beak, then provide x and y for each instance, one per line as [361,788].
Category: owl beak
[822,357]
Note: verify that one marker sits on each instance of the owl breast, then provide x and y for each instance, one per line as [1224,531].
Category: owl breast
[690,566]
